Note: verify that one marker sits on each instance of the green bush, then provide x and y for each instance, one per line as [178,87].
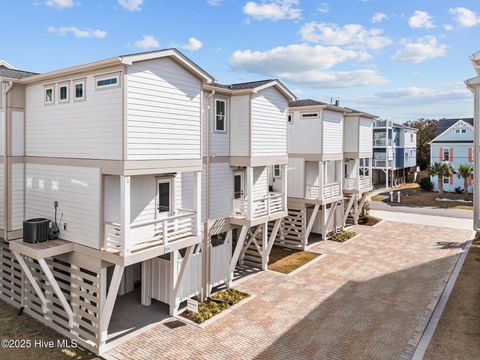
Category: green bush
[343,236]
[426,184]
[459,190]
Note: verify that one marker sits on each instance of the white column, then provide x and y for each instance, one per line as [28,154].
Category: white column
[197,184]
[321,178]
[173,278]
[125,213]
[357,173]
[249,190]
[476,177]
[284,186]
[265,246]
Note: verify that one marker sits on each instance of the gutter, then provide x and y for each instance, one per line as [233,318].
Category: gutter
[6,143]
[206,232]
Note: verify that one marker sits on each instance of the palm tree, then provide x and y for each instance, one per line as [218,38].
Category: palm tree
[441,170]
[466,172]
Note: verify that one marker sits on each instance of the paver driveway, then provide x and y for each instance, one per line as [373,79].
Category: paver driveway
[367,299]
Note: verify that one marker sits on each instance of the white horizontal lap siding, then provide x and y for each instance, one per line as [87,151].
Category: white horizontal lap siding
[17,196]
[85,129]
[350,139]
[221,191]
[312,172]
[366,135]
[332,132]
[269,123]
[2,127]
[219,141]
[305,135]
[17,139]
[163,111]
[2,197]
[77,191]
[239,125]
[296,177]
[260,182]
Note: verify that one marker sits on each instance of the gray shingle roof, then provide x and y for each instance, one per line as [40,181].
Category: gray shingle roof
[305,102]
[444,124]
[14,74]
[245,85]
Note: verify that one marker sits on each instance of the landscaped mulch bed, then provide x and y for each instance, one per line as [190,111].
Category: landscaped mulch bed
[458,333]
[285,260]
[369,220]
[343,236]
[215,304]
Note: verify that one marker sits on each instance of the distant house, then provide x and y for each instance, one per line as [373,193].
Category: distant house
[453,144]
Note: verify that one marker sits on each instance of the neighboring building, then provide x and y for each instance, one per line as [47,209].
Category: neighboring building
[453,144]
[394,153]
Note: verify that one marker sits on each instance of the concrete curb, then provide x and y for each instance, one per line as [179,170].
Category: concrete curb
[432,324]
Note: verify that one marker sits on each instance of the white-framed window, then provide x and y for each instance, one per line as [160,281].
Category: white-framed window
[446,155]
[49,94]
[79,88]
[457,131]
[310,115]
[446,180]
[107,81]
[220,115]
[277,171]
[464,131]
[411,137]
[63,92]
[290,119]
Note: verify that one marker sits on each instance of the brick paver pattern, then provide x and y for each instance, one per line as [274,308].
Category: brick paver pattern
[368,299]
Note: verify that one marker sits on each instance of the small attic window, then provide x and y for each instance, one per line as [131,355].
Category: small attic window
[464,131]
[457,131]
[310,115]
[107,81]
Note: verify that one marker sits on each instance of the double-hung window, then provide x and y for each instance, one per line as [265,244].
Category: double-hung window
[79,90]
[63,92]
[277,171]
[446,155]
[49,94]
[290,119]
[220,115]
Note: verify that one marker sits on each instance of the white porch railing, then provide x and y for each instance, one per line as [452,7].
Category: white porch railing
[271,204]
[364,183]
[155,232]
[381,163]
[326,192]
[382,142]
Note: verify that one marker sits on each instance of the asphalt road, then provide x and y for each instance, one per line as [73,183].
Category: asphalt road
[422,210]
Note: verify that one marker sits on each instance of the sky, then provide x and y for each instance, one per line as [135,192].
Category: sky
[400,60]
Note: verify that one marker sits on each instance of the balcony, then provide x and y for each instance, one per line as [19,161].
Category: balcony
[146,234]
[323,193]
[361,184]
[381,163]
[382,123]
[273,203]
[382,142]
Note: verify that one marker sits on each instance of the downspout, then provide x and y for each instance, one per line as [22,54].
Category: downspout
[206,231]
[6,129]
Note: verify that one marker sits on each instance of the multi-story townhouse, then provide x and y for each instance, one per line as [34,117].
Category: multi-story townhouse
[160,175]
[394,152]
[474,85]
[453,144]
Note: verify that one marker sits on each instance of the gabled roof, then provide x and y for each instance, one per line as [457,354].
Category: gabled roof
[254,86]
[10,73]
[445,124]
[361,113]
[306,102]
[129,59]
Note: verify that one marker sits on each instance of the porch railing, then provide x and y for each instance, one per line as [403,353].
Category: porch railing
[271,204]
[381,163]
[155,232]
[382,142]
[364,183]
[325,192]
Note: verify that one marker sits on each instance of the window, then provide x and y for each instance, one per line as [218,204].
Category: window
[220,115]
[457,131]
[411,137]
[290,119]
[79,90]
[107,81]
[49,94]
[446,155]
[446,180]
[464,131]
[164,196]
[277,171]
[310,115]
[63,92]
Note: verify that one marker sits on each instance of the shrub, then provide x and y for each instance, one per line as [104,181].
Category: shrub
[459,190]
[426,184]
[343,236]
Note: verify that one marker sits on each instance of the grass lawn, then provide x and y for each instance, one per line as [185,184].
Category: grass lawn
[286,260]
[458,333]
[23,327]
[412,194]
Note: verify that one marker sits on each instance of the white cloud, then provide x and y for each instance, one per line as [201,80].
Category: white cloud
[354,36]
[147,42]
[424,48]
[78,33]
[214,2]
[465,17]
[421,20]
[131,5]
[334,79]
[273,10]
[192,44]
[292,58]
[448,27]
[379,17]
[60,4]
[323,8]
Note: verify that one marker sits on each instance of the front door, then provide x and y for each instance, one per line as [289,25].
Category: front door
[164,199]
[238,185]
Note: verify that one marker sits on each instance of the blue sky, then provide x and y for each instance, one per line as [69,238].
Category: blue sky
[397,59]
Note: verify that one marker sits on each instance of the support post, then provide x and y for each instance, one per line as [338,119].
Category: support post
[310,223]
[285,186]
[107,309]
[249,191]
[197,180]
[236,254]
[178,279]
[264,253]
[125,213]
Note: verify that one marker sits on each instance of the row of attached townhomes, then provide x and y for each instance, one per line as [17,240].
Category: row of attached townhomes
[453,144]
[394,153]
[163,183]
[474,85]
